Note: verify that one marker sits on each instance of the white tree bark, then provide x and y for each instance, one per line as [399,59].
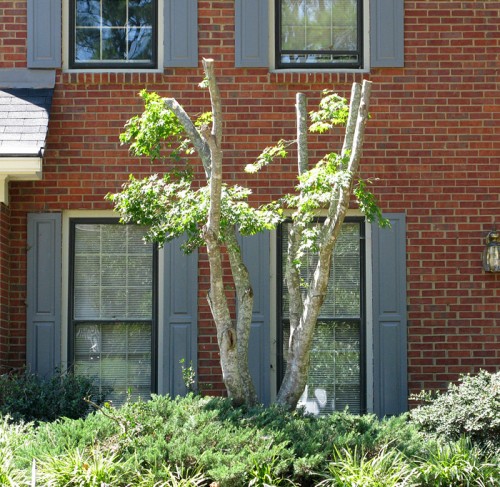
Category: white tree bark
[196,139]
[302,328]
[232,336]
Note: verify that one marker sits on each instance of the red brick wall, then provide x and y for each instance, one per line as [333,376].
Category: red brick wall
[433,141]
[4,287]
[13,34]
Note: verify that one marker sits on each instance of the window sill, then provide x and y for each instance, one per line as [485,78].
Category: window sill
[113,70]
[319,70]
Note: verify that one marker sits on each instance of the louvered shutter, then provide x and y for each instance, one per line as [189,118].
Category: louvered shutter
[255,251]
[251,33]
[44,33]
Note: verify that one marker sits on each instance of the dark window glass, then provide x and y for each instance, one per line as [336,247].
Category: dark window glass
[319,33]
[336,375]
[113,33]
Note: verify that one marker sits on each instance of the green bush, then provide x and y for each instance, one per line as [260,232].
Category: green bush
[231,446]
[27,397]
[196,441]
[470,408]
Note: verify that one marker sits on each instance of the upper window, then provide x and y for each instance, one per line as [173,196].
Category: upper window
[113,33]
[319,33]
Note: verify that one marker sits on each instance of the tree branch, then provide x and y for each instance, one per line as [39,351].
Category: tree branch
[208,66]
[196,139]
[351,119]
[244,296]
[301,114]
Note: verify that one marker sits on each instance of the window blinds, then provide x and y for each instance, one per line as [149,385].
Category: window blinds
[344,291]
[112,309]
[334,381]
[113,273]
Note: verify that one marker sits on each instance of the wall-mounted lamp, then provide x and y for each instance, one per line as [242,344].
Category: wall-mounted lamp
[491,254]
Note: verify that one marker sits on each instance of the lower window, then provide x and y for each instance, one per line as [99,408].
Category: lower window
[112,328]
[336,374]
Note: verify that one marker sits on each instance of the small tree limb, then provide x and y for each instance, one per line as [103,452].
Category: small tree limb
[208,65]
[301,114]
[194,136]
[301,337]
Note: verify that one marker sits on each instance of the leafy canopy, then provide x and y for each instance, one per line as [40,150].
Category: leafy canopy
[169,206]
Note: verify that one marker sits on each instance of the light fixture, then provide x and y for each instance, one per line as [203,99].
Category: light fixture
[491,254]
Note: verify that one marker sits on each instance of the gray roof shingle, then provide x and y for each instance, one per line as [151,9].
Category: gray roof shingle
[24,118]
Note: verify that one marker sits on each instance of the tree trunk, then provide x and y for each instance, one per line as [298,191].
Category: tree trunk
[244,310]
[302,329]
[232,337]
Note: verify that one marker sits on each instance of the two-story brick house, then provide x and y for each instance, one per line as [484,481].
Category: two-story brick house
[78,289]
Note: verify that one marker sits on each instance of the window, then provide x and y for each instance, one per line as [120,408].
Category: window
[113,33]
[336,375]
[319,33]
[112,325]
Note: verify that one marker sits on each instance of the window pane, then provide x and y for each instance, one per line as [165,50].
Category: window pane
[114,44]
[113,273]
[117,357]
[140,13]
[327,26]
[140,43]
[88,13]
[343,297]
[334,380]
[87,45]
[114,12]
[114,30]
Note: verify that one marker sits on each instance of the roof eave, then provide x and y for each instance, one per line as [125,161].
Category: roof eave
[18,168]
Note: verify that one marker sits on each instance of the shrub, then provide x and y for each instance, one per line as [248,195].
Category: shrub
[196,441]
[230,446]
[27,397]
[470,408]
[12,436]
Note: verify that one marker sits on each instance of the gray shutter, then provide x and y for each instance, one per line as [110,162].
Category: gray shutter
[181,33]
[180,316]
[255,251]
[44,293]
[386,33]
[251,33]
[389,317]
[44,33]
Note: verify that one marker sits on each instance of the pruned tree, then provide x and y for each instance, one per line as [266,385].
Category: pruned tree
[213,214]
